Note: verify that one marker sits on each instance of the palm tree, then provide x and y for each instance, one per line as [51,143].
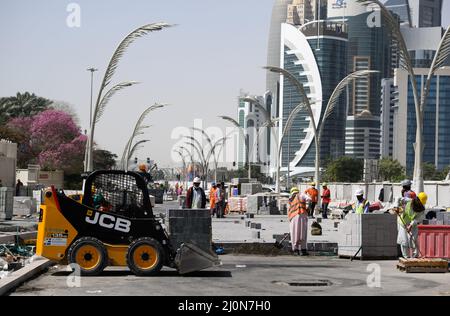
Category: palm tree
[22,105]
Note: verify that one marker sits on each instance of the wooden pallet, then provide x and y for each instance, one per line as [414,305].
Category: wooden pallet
[423,265]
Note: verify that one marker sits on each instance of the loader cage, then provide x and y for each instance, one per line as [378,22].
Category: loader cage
[119,192]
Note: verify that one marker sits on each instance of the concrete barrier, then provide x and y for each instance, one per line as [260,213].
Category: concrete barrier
[438,192]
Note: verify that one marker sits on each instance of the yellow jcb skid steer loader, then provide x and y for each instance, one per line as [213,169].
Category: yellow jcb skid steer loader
[113,225]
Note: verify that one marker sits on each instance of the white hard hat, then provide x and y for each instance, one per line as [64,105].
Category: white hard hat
[359,192]
[406,183]
[197,180]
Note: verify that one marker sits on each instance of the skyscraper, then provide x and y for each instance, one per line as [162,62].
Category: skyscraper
[279,16]
[389,99]
[436,123]
[249,119]
[369,48]
[417,13]
[312,54]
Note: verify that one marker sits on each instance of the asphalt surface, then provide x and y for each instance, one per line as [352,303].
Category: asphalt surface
[250,275]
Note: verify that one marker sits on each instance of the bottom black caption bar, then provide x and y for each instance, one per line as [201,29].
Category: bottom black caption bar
[217,305]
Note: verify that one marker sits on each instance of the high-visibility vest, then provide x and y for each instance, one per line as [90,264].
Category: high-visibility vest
[212,197]
[297,206]
[360,208]
[408,215]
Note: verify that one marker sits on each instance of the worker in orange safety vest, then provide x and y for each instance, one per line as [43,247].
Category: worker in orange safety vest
[298,222]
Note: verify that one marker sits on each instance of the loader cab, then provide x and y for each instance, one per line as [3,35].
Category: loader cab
[119,192]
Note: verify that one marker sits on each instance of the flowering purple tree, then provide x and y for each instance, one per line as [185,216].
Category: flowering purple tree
[52,140]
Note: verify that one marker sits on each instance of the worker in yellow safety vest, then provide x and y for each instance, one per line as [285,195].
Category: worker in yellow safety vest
[409,218]
[298,222]
[362,205]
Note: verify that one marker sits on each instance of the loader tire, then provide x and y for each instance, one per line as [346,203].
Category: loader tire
[89,254]
[145,256]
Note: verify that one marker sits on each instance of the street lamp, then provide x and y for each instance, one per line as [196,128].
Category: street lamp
[442,54]
[92,70]
[102,99]
[212,148]
[246,141]
[332,102]
[308,106]
[138,130]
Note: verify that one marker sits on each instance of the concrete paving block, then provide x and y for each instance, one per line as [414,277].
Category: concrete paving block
[24,206]
[256,234]
[250,188]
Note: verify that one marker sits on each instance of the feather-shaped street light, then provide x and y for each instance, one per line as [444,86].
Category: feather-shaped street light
[442,53]
[102,99]
[138,130]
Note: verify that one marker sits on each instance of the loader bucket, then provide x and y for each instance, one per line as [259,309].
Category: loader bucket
[191,258]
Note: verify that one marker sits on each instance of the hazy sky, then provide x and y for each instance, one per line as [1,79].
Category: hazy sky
[198,66]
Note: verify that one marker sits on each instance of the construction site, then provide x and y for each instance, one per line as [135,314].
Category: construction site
[249,250]
[332,180]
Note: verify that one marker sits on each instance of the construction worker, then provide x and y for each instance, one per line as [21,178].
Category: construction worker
[314,195]
[220,200]
[326,199]
[143,172]
[409,218]
[195,196]
[362,205]
[298,222]
[212,198]
[406,190]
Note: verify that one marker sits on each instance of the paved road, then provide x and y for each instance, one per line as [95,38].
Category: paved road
[250,275]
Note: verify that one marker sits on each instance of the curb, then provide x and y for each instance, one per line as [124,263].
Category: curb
[18,277]
[268,248]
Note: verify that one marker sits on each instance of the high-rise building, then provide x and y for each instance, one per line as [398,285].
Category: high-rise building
[301,12]
[312,54]
[249,119]
[279,16]
[388,103]
[422,44]
[436,125]
[426,13]
[369,48]
[417,13]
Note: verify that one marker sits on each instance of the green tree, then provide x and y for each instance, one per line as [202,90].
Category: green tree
[11,135]
[22,105]
[391,170]
[104,159]
[445,172]
[344,169]
[430,173]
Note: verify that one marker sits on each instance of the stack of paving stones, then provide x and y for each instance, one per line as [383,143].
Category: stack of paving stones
[254,203]
[444,217]
[375,233]
[24,206]
[250,188]
[6,203]
[190,225]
